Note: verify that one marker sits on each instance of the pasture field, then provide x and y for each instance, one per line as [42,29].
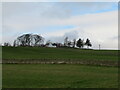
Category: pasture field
[59,76]
[57,53]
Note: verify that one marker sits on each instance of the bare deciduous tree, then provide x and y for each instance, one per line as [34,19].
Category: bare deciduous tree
[29,40]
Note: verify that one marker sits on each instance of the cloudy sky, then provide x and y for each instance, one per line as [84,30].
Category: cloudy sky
[97,21]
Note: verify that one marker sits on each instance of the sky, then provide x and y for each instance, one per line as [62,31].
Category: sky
[97,21]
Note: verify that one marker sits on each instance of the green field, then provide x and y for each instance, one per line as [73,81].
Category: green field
[57,53]
[58,76]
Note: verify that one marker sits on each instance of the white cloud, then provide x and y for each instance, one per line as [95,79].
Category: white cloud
[100,27]
[71,35]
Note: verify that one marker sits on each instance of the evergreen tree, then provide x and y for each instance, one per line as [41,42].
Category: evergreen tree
[88,43]
[80,43]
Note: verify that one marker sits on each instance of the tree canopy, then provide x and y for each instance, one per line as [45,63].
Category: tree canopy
[37,40]
[29,40]
[88,43]
[80,43]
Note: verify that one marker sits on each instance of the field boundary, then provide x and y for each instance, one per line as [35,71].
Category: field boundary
[55,61]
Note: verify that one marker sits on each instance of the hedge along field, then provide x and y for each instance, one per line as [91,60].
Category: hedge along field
[59,76]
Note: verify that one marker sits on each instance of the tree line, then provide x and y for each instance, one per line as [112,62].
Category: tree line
[37,40]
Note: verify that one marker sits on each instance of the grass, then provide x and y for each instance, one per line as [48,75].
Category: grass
[58,76]
[57,53]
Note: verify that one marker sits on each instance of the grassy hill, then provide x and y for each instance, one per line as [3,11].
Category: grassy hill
[59,75]
[57,53]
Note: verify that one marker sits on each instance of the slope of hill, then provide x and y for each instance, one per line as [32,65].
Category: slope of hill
[59,55]
[62,75]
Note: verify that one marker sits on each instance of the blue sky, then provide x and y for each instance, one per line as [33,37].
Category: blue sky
[57,19]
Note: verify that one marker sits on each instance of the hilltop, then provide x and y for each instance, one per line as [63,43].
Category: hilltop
[54,55]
